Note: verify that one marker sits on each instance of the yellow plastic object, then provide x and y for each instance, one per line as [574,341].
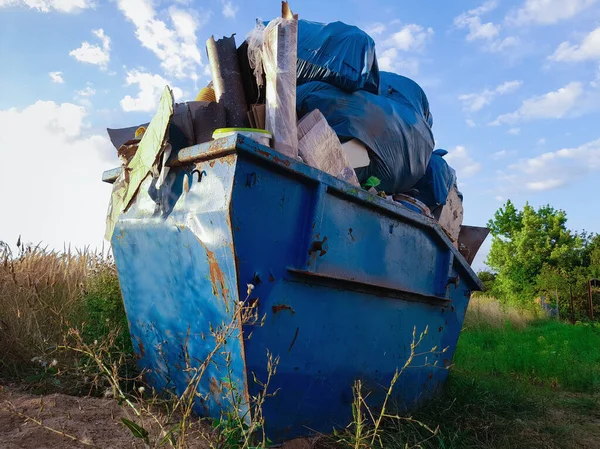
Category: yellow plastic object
[206,94]
[139,133]
[259,135]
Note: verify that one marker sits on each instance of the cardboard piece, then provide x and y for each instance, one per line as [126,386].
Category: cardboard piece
[451,217]
[319,147]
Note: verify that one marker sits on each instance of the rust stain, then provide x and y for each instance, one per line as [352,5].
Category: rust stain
[214,387]
[294,340]
[279,307]
[441,329]
[430,375]
[271,278]
[215,391]
[230,159]
[212,164]
[142,349]
[217,278]
[276,159]
[452,308]
[282,161]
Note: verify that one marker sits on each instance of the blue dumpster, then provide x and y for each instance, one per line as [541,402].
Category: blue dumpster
[342,278]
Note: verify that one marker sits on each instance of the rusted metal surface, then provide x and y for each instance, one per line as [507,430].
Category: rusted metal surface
[470,240]
[279,307]
[340,310]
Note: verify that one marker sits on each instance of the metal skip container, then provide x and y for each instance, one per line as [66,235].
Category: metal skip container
[342,278]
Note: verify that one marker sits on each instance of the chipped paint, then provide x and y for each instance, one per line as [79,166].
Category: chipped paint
[279,307]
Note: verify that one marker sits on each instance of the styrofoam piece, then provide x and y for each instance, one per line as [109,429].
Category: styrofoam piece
[357,153]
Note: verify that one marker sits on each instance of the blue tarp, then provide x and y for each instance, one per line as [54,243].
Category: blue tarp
[399,140]
[405,91]
[339,54]
[433,188]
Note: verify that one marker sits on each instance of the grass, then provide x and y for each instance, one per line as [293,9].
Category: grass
[43,294]
[518,381]
[546,353]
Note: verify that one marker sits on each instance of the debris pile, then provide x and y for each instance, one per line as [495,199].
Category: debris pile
[318,92]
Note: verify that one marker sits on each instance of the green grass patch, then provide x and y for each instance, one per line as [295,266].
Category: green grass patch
[548,353]
[517,382]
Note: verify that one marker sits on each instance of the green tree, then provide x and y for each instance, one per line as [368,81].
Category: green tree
[523,242]
[488,278]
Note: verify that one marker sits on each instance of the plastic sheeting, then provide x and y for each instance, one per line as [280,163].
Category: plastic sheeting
[339,54]
[279,61]
[399,140]
[439,179]
[405,91]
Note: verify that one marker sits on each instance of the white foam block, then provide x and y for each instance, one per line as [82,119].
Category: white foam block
[357,153]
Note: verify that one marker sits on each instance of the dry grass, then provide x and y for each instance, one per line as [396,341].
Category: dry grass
[42,294]
[485,311]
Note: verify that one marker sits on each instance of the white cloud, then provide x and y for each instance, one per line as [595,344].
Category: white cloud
[94,54]
[375,29]
[488,32]
[56,77]
[499,198]
[556,169]
[176,47]
[229,9]
[83,96]
[471,20]
[507,43]
[508,87]
[547,12]
[462,162]
[470,123]
[411,37]
[66,6]
[150,89]
[514,131]
[395,51]
[588,49]
[541,141]
[87,92]
[502,154]
[73,207]
[476,101]
[390,60]
[554,104]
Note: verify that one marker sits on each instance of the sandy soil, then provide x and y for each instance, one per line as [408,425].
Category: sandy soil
[76,422]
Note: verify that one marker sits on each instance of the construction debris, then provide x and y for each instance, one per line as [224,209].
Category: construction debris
[279,59]
[356,123]
[227,80]
[319,147]
[147,157]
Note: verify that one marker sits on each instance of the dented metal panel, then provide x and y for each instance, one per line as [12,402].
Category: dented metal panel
[342,277]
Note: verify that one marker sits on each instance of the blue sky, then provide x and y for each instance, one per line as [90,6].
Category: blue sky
[514,88]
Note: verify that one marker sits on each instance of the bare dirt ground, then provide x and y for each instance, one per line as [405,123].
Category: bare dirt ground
[58,421]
